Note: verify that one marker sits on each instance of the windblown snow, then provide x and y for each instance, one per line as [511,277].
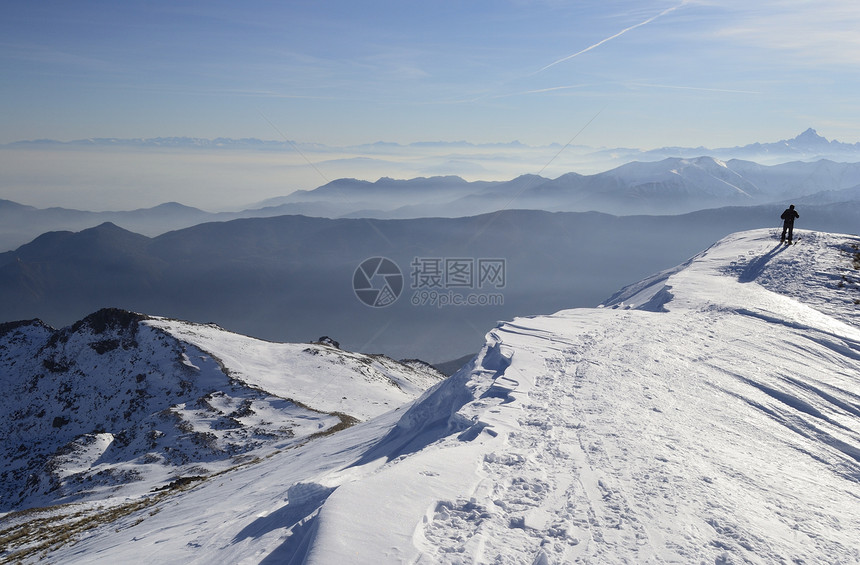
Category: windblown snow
[710,414]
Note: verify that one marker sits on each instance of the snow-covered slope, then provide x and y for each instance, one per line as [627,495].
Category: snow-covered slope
[327,378]
[121,404]
[708,415]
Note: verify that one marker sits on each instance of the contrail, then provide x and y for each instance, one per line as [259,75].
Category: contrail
[528,185]
[293,145]
[320,173]
[541,90]
[610,38]
[704,89]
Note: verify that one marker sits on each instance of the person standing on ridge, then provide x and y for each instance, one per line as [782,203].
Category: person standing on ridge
[788,218]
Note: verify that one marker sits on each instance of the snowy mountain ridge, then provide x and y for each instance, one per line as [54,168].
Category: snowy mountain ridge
[669,185]
[806,143]
[708,414]
[672,185]
[120,403]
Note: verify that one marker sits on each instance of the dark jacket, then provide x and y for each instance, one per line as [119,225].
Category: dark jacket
[790,215]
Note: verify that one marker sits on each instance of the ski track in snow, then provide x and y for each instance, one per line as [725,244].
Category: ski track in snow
[679,483]
[572,484]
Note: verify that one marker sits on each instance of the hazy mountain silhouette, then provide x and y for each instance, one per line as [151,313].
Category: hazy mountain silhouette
[673,185]
[289,278]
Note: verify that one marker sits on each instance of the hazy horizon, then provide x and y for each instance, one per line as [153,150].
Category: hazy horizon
[231,175]
[680,72]
[599,74]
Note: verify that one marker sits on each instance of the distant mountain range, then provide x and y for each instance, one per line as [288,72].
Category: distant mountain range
[804,146]
[669,186]
[246,143]
[290,278]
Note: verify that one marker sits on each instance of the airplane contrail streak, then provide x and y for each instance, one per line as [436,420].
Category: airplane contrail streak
[704,89]
[610,38]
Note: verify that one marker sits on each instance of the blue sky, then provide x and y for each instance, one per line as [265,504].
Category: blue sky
[713,73]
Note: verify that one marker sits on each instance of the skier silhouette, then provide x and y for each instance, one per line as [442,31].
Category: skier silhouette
[788,218]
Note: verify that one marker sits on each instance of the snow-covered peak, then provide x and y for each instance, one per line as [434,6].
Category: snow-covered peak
[819,272]
[123,403]
[809,138]
[679,177]
[321,376]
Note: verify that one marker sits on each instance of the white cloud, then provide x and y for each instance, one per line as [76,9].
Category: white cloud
[820,32]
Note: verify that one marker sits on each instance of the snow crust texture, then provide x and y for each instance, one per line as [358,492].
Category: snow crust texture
[710,414]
